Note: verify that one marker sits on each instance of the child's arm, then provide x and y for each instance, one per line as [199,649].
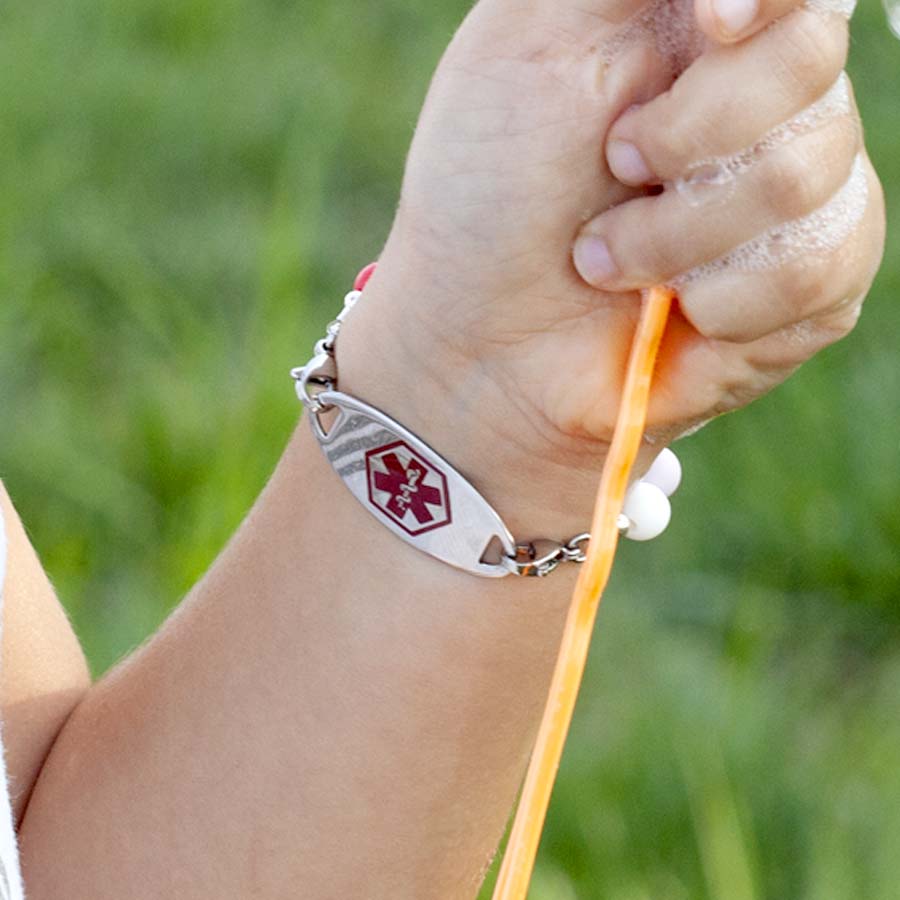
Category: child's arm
[331,714]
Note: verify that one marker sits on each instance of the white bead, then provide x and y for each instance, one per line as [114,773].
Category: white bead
[649,510]
[665,473]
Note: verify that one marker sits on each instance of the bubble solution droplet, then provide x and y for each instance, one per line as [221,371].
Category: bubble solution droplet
[780,247]
[892,8]
[706,182]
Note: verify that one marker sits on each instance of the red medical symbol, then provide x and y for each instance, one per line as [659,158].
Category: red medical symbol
[407,489]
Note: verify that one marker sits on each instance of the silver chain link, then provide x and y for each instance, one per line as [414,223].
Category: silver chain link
[534,559]
[538,559]
[320,373]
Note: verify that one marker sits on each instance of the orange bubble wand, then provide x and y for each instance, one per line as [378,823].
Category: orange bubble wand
[518,862]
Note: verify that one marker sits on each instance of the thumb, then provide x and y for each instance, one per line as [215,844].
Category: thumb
[730,21]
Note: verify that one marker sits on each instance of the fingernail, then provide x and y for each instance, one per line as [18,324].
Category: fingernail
[627,163]
[593,259]
[735,15]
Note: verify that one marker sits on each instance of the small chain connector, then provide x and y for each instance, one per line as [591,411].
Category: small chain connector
[576,550]
[320,373]
[537,559]
[316,376]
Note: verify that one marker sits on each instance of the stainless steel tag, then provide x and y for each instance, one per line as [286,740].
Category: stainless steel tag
[410,488]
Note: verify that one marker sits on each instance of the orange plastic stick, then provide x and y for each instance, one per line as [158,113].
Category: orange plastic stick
[518,863]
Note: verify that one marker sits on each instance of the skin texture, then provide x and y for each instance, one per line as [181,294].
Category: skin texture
[329,713]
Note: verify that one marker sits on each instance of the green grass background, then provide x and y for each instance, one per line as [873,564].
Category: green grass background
[186,187]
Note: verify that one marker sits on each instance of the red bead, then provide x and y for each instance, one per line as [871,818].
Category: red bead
[363,278]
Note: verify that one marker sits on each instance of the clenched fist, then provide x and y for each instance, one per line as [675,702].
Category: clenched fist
[571,154]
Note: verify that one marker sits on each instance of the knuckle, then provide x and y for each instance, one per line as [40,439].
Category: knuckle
[811,335]
[668,142]
[790,186]
[810,51]
[805,175]
[846,318]
[802,287]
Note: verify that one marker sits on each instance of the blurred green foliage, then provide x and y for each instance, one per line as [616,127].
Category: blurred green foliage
[186,187]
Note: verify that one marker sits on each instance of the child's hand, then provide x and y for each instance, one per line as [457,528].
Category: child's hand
[477,331]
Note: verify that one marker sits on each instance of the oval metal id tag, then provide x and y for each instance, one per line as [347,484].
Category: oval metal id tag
[409,488]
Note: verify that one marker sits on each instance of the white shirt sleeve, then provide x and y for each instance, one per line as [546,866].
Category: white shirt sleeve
[10,876]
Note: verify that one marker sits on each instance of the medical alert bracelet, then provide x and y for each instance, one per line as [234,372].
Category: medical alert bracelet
[419,496]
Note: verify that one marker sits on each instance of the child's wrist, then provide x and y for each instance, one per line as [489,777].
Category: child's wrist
[540,480]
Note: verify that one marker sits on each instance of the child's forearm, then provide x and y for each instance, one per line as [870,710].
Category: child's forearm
[329,714]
